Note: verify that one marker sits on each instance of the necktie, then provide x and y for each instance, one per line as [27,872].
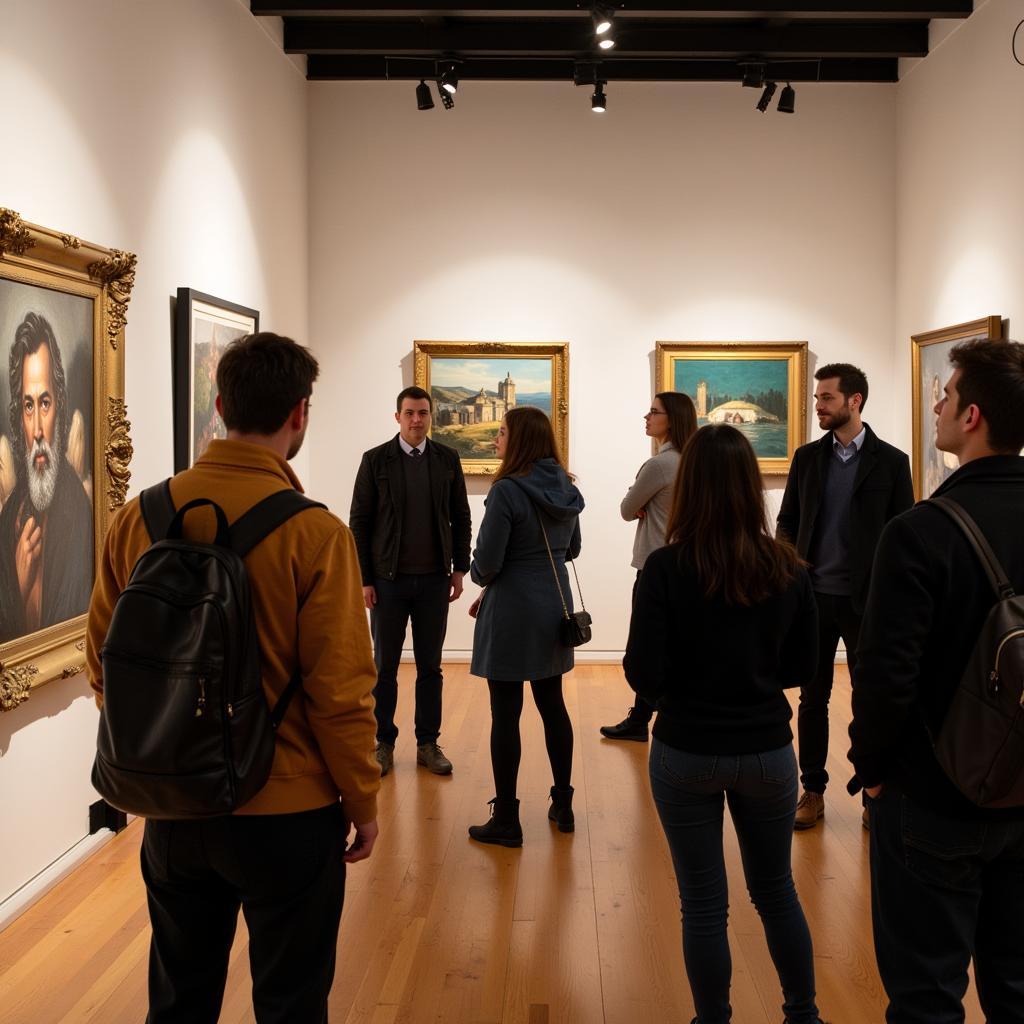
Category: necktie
[415,453]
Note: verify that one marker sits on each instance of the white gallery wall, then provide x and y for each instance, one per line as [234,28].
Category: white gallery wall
[960,156]
[176,131]
[682,214]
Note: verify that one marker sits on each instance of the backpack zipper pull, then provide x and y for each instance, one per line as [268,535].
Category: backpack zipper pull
[201,704]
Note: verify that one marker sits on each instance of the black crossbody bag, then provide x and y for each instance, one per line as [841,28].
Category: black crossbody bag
[574,628]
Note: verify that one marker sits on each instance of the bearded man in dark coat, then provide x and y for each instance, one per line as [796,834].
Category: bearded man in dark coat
[46,543]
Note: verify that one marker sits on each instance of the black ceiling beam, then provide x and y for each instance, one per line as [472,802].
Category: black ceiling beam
[372,68]
[850,9]
[653,39]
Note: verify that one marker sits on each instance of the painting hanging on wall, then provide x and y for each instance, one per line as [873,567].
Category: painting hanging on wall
[203,327]
[473,384]
[758,387]
[64,442]
[930,369]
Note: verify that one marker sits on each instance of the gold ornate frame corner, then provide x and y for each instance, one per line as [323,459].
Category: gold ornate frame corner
[62,262]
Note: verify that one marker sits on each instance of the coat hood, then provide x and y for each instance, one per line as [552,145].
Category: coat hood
[549,486]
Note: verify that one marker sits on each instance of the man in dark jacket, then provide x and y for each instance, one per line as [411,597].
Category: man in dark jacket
[947,878]
[841,491]
[410,518]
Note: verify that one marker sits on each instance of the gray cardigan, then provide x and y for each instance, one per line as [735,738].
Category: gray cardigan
[652,492]
[517,628]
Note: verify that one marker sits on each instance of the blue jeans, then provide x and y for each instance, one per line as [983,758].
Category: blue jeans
[690,792]
[942,891]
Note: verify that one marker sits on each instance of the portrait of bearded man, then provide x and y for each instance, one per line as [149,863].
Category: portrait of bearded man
[46,523]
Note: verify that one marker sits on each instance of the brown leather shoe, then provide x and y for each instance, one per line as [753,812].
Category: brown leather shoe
[809,809]
[432,758]
[385,754]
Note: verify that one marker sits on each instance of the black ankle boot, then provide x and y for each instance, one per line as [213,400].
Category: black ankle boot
[560,811]
[630,728]
[503,828]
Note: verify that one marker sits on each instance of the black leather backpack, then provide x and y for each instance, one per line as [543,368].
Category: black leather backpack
[185,731]
[980,744]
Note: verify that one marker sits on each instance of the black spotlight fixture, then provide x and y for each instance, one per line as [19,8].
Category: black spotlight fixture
[447,99]
[787,100]
[766,96]
[424,101]
[753,76]
[599,102]
[602,15]
[450,79]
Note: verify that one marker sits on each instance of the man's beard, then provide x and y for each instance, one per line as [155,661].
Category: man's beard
[42,483]
[835,420]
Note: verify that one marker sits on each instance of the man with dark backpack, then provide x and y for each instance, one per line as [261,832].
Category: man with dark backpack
[947,856]
[228,648]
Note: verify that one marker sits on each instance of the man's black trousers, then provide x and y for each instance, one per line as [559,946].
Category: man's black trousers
[836,618]
[421,599]
[287,874]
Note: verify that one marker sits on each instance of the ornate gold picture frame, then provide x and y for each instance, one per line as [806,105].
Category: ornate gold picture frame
[758,386]
[929,371]
[65,445]
[474,383]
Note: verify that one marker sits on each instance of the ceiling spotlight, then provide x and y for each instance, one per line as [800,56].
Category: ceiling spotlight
[766,97]
[602,18]
[753,75]
[607,43]
[599,102]
[447,99]
[450,79]
[424,101]
[787,100]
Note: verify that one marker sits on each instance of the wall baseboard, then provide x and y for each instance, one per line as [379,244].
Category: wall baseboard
[35,888]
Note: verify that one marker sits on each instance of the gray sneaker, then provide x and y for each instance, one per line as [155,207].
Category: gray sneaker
[431,757]
[385,754]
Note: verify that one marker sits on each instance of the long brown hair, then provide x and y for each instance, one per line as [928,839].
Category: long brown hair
[530,437]
[719,520]
[682,417]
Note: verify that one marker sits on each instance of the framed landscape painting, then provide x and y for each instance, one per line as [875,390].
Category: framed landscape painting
[758,387]
[203,327]
[64,442]
[930,369]
[473,384]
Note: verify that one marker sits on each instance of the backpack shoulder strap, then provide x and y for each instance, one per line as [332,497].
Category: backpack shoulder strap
[266,516]
[157,509]
[992,566]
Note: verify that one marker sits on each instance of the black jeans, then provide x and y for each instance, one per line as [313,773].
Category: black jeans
[642,711]
[424,600]
[690,792]
[836,618]
[506,745]
[943,890]
[287,874]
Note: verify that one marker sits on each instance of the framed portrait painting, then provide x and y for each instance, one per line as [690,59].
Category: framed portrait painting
[472,384]
[64,442]
[203,327]
[758,387]
[930,369]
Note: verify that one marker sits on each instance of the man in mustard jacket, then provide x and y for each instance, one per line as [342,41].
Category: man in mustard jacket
[281,857]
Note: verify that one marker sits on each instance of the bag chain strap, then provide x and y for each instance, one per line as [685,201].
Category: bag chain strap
[558,582]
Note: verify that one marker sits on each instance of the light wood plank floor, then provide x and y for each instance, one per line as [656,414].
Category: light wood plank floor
[572,929]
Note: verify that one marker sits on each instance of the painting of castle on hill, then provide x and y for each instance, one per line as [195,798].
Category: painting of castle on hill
[472,386]
[758,388]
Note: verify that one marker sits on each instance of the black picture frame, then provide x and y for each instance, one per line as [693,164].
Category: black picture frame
[203,326]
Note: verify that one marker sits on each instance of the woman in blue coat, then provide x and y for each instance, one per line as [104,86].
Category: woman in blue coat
[518,616]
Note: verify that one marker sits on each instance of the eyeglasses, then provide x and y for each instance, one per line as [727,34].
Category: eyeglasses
[655,412]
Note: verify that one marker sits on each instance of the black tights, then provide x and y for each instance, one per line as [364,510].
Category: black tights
[506,747]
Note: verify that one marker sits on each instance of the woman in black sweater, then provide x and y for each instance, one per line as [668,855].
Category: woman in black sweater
[724,621]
